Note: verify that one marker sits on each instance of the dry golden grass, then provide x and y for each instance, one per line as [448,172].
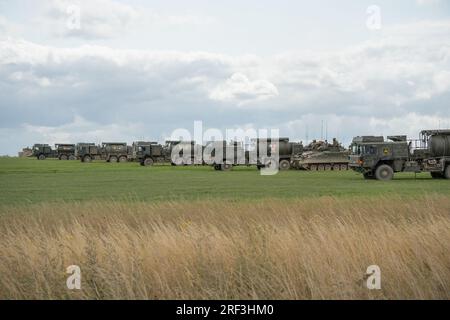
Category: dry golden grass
[297,249]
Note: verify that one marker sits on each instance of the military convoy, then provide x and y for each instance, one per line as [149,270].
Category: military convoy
[380,159]
[372,156]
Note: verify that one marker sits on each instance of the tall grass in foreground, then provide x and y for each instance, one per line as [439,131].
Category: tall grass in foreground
[300,249]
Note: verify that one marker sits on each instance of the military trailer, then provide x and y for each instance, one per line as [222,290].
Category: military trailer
[224,156]
[116,152]
[182,153]
[65,151]
[148,153]
[87,152]
[43,151]
[287,151]
[380,159]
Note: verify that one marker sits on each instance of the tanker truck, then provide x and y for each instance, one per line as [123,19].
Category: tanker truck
[224,156]
[287,151]
[380,159]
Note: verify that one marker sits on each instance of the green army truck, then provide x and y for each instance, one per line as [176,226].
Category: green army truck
[282,147]
[380,159]
[43,151]
[87,152]
[148,153]
[65,151]
[183,153]
[224,156]
[116,152]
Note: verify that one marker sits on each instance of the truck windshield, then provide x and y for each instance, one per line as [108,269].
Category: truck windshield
[358,150]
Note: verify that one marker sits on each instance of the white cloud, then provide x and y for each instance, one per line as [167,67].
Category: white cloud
[80,129]
[428,2]
[239,89]
[94,18]
[398,82]
[105,19]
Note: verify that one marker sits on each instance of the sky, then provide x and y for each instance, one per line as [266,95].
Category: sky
[109,70]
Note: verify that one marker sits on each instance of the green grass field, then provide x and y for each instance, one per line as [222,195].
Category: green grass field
[196,233]
[31,181]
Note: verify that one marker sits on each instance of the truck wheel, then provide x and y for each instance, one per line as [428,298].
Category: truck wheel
[336,167]
[63,157]
[344,167]
[447,172]
[384,173]
[285,165]
[113,159]
[148,162]
[41,157]
[87,159]
[437,175]
[72,157]
[123,159]
[226,167]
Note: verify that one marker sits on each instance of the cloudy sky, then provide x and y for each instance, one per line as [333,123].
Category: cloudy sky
[97,70]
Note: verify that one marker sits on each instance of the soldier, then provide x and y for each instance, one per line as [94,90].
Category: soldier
[335,142]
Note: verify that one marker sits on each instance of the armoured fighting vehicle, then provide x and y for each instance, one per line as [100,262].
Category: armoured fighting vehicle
[323,156]
[26,152]
[148,153]
[65,151]
[43,151]
[287,151]
[377,158]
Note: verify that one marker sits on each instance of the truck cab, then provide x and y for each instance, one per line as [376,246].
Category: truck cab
[147,153]
[43,151]
[87,152]
[377,158]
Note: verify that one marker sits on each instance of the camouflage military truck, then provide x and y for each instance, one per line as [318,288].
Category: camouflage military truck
[116,152]
[224,156]
[43,151]
[379,159]
[323,156]
[65,151]
[287,151]
[182,153]
[148,153]
[87,152]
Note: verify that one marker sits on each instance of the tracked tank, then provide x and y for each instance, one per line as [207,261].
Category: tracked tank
[323,156]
